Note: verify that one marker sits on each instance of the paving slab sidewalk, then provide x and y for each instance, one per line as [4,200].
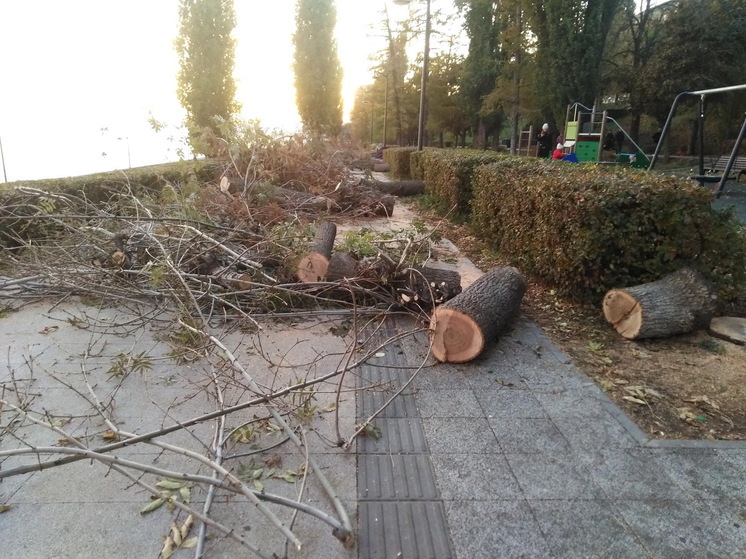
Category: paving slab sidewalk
[516,454]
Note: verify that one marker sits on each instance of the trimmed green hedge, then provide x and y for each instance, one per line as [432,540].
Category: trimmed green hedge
[586,229]
[448,175]
[398,160]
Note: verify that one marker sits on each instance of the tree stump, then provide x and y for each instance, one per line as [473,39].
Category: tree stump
[460,328]
[675,304]
[313,266]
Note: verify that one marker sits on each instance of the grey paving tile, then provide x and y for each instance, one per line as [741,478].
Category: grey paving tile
[586,402]
[404,529]
[71,530]
[632,474]
[553,476]
[475,476]
[439,377]
[696,529]
[587,436]
[583,529]
[397,436]
[509,402]
[459,435]
[528,435]
[512,531]
[448,403]
[371,400]
[396,477]
[706,473]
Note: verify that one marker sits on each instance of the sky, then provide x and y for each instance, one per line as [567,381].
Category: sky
[81,78]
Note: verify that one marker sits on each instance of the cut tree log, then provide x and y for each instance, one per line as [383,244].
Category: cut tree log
[429,286]
[342,265]
[678,303]
[460,328]
[397,188]
[313,266]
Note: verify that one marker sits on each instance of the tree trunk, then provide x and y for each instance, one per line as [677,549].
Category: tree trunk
[342,265]
[313,266]
[429,286]
[461,327]
[675,304]
[397,188]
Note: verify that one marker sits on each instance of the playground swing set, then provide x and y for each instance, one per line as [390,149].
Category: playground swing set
[586,131]
[731,165]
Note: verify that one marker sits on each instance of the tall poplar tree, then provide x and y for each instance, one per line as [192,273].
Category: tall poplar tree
[206,87]
[318,73]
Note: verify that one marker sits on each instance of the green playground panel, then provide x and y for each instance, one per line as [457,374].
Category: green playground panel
[587,151]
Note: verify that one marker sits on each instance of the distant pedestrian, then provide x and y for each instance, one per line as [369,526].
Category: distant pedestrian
[619,140]
[544,142]
[657,136]
[559,152]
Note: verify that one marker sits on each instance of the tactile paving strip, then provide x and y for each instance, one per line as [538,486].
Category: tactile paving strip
[401,513]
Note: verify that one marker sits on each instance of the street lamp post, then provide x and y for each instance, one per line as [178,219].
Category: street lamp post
[423,87]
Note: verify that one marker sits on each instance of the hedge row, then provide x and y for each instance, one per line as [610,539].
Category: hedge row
[448,175]
[398,160]
[587,228]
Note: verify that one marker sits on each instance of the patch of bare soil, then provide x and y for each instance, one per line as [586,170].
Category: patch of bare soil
[685,387]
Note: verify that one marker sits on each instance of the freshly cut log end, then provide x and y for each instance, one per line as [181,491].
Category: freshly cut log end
[461,327]
[675,304]
[624,312]
[312,267]
[456,337]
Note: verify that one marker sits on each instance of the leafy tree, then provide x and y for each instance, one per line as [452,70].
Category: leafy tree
[482,64]
[703,46]
[206,88]
[318,74]
[571,36]
[445,113]
[632,41]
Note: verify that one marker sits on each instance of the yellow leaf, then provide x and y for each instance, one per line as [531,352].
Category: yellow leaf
[634,400]
[5,508]
[110,436]
[176,535]
[153,505]
[168,548]
[187,526]
[191,542]
[329,407]
[186,494]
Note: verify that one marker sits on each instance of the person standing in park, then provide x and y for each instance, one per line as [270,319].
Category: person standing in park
[544,142]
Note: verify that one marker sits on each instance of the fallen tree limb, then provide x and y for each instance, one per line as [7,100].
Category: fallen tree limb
[396,188]
[314,265]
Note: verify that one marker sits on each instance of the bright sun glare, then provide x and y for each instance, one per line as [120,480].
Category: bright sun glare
[80,89]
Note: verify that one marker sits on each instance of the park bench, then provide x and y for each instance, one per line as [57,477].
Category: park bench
[739,166]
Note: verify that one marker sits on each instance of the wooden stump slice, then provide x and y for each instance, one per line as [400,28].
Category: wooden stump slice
[675,304]
[313,266]
[461,327]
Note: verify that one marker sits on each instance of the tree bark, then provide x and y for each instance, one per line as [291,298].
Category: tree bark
[397,188]
[313,266]
[429,286]
[461,327]
[675,304]
[342,265]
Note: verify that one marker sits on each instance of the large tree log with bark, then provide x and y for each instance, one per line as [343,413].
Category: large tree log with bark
[313,266]
[675,304]
[397,188]
[461,327]
[428,286]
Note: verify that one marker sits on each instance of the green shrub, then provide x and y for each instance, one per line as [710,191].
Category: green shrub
[586,229]
[448,175]
[398,160]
